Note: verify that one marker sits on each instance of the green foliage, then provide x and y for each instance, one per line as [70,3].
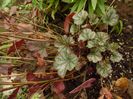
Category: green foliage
[110,18]
[116,57]
[118,27]
[104,69]
[53,6]
[64,61]
[101,38]
[6,3]
[5,46]
[86,34]
[2,96]
[23,93]
[94,56]
[98,43]
[100,7]
[86,43]
[93,19]
[69,1]
[73,29]
[113,47]
[94,3]
[63,43]
[80,17]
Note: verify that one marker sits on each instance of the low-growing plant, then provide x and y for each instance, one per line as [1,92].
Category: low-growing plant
[100,50]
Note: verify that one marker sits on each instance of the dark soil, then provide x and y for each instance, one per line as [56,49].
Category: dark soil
[125,67]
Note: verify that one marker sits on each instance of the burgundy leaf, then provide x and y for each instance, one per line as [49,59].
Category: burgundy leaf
[81,44]
[31,77]
[67,22]
[58,87]
[16,45]
[14,94]
[86,84]
[34,88]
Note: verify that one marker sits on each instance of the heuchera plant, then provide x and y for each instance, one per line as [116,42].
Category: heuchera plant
[100,50]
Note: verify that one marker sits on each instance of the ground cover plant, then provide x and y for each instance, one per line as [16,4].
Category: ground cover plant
[61,49]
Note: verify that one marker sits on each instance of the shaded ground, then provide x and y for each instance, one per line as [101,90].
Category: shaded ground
[125,67]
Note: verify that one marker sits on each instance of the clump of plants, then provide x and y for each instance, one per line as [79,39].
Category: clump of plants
[39,63]
[94,43]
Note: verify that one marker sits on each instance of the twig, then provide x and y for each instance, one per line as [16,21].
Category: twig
[5,89]
[17,58]
[26,38]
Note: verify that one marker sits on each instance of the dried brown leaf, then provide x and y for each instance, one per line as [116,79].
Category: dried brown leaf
[104,92]
[122,83]
[13,10]
[23,27]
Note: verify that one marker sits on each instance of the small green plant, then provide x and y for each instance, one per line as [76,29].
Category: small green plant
[100,50]
[6,3]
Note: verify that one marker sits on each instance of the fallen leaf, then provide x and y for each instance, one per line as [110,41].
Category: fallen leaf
[8,22]
[38,47]
[23,27]
[13,10]
[104,92]
[58,87]
[67,22]
[16,45]
[86,84]
[122,83]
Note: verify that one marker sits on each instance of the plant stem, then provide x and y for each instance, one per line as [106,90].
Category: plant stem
[26,38]
[5,89]
[17,58]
